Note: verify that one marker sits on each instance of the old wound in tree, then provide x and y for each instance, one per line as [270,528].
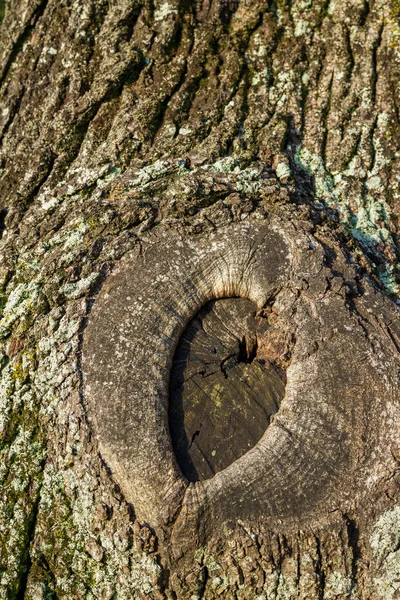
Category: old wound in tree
[224,389]
[230,375]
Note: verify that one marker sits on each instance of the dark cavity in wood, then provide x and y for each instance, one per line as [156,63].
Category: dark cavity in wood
[222,395]
[3,214]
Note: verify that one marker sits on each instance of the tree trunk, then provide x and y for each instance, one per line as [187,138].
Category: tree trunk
[156,157]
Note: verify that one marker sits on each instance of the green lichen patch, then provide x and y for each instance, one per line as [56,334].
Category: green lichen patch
[385,544]
[366,214]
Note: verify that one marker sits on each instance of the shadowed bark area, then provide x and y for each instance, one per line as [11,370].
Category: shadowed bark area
[122,119]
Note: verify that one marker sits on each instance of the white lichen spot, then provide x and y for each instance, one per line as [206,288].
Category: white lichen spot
[305,79]
[20,303]
[301,28]
[282,170]
[337,585]
[287,588]
[375,183]
[75,290]
[185,131]
[48,204]
[163,11]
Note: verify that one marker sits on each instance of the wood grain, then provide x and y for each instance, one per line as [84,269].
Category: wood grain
[222,395]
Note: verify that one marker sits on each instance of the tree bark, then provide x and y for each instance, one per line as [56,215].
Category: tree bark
[129,129]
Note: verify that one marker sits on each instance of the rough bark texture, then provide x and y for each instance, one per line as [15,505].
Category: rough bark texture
[123,119]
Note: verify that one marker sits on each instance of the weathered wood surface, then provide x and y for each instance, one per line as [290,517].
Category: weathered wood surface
[327,442]
[121,118]
[222,392]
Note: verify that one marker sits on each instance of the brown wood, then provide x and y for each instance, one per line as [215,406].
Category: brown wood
[130,133]
[222,396]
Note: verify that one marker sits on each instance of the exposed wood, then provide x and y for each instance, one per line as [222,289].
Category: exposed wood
[222,395]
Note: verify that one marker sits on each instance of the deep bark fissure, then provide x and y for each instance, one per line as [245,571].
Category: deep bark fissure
[30,539]
[353,537]
[23,37]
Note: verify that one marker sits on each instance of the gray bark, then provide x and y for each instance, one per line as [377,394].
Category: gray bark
[126,123]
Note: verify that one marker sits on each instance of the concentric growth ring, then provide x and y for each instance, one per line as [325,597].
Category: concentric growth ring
[308,454]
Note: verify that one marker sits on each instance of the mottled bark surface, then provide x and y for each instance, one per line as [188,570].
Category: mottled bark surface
[121,119]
